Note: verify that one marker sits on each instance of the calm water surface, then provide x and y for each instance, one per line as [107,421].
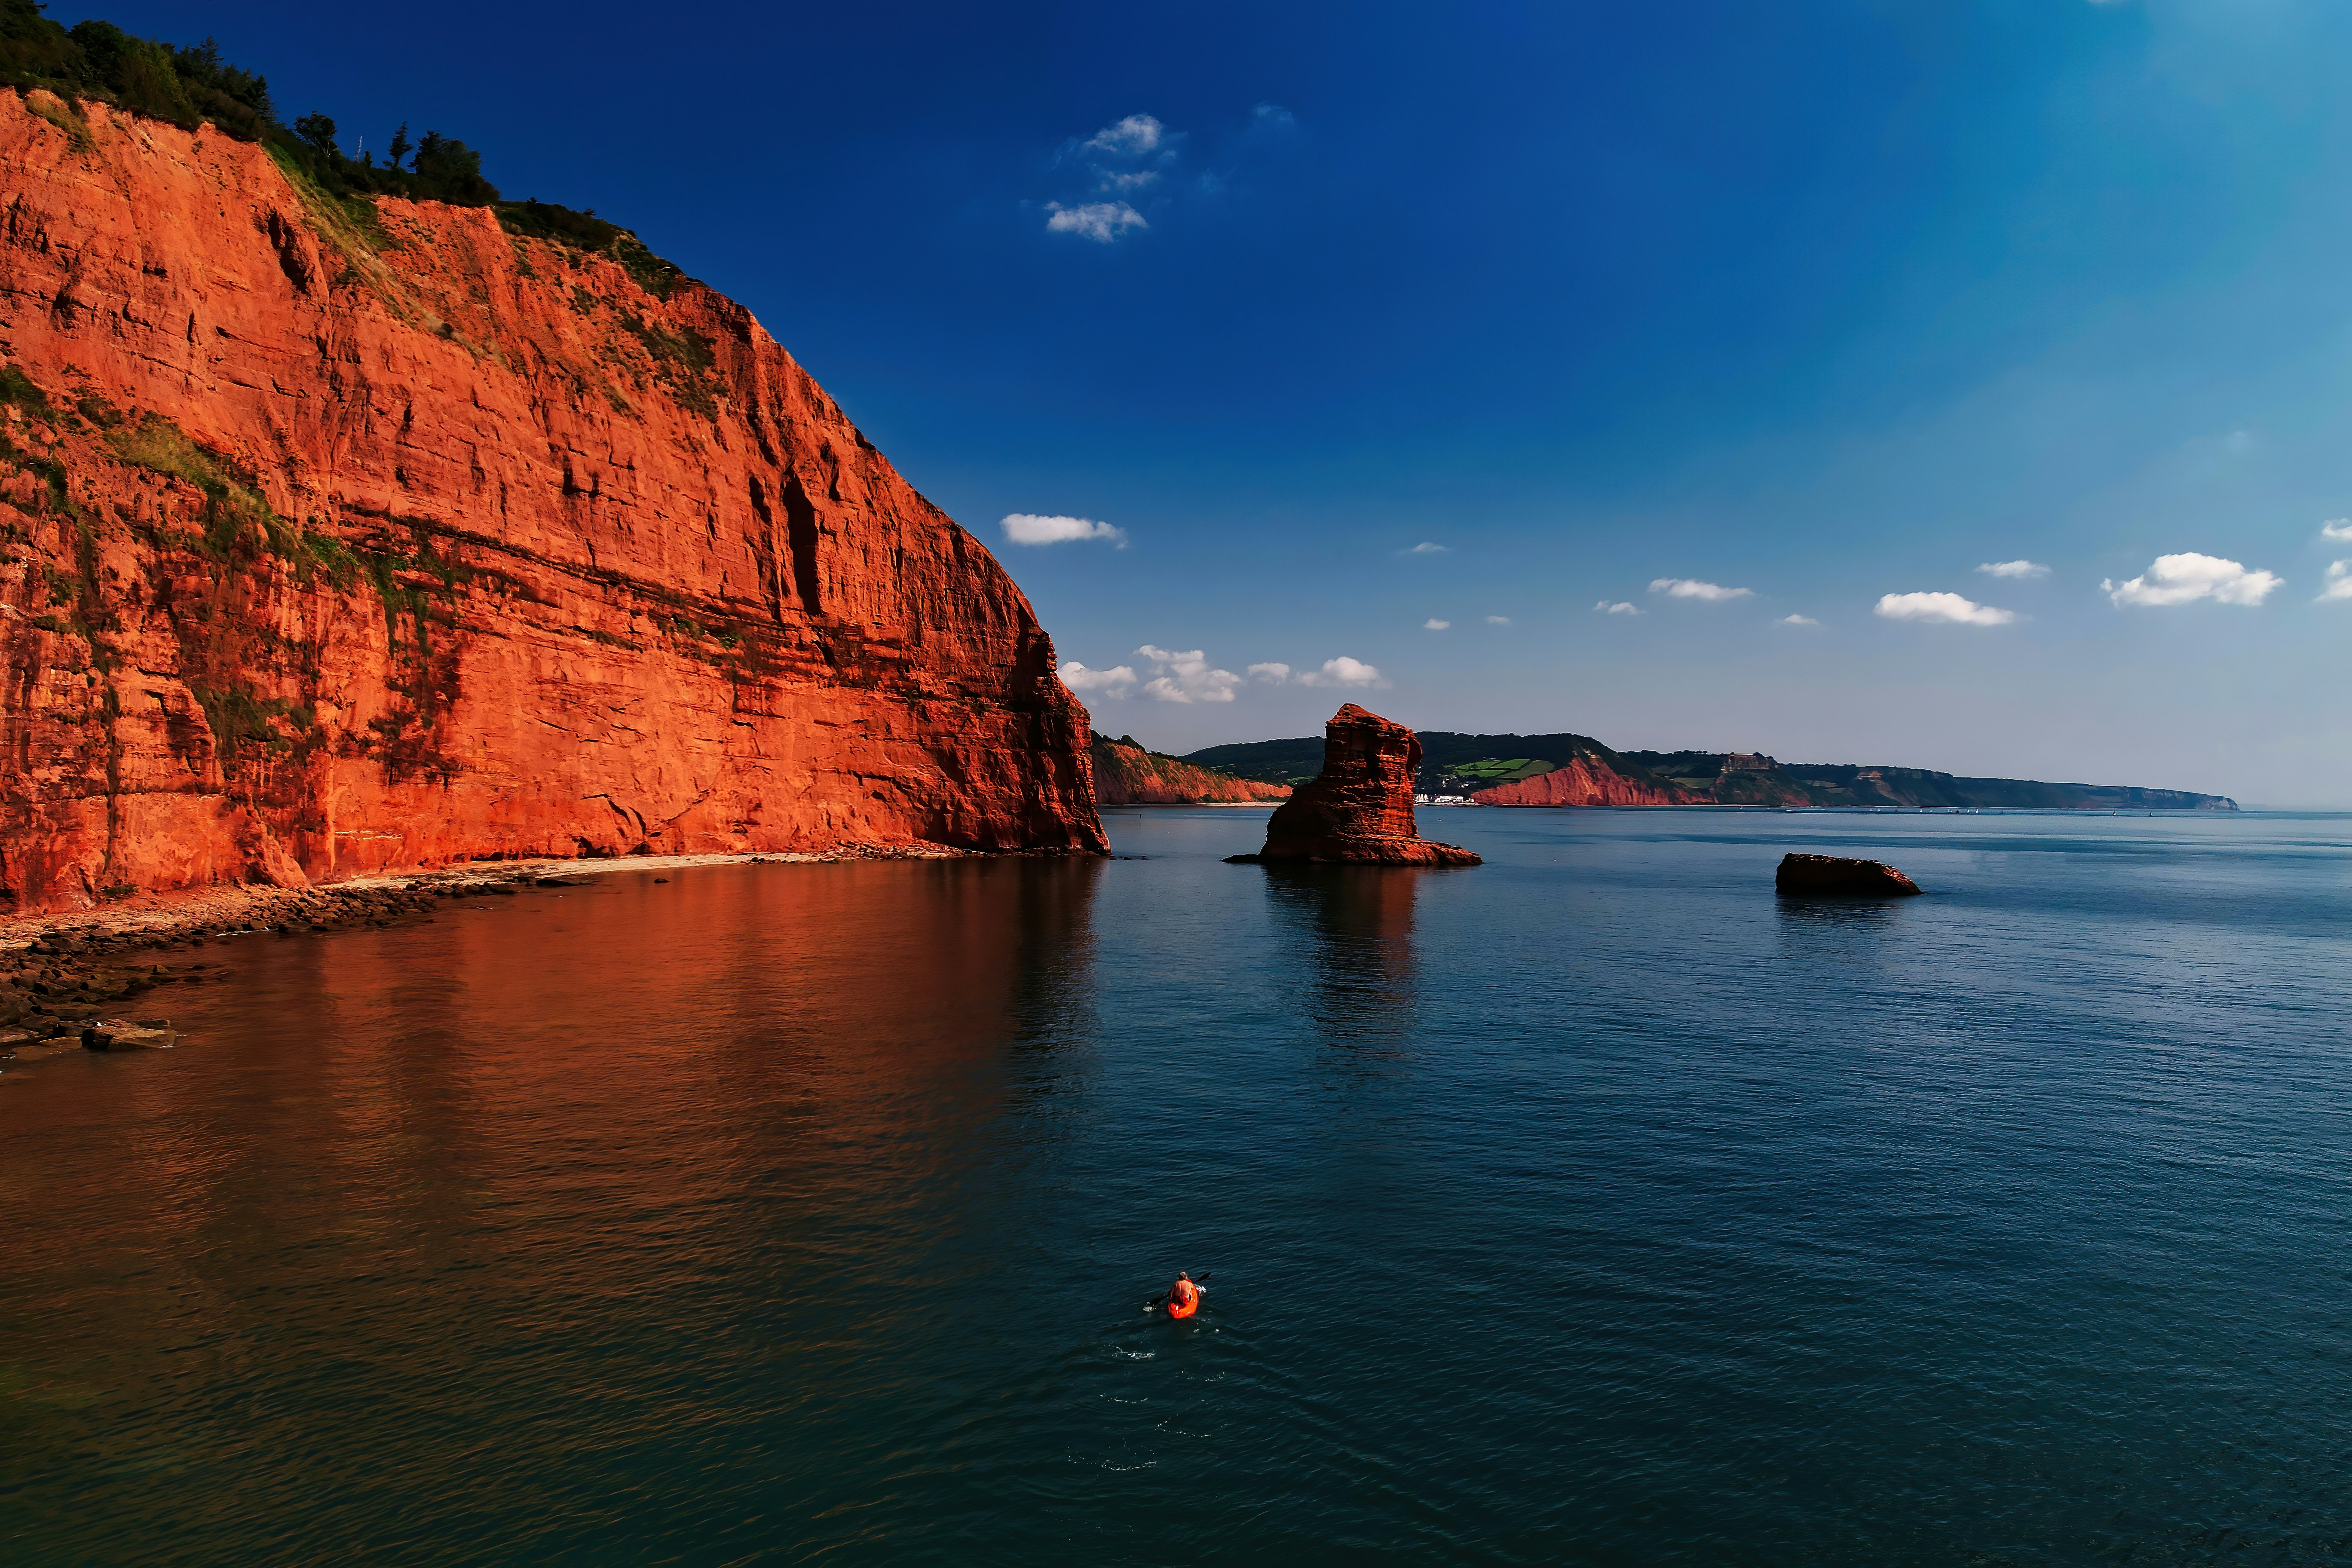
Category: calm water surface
[1589,1206]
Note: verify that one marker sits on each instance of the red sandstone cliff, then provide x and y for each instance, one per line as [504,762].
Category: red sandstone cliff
[338,548]
[1585,782]
[1127,774]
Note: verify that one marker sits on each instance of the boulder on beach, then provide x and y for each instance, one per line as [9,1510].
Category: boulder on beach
[1359,811]
[1833,876]
[112,1035]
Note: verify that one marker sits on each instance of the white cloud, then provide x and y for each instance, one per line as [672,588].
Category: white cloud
[1424,548]
[1027,528]
[1272,674]
[1691,588]
[1272,114]
[1434,624]
[2337,529]
[2339,583]
[1796,621]
[1342,672]
[2014,569]
[1132,137]
[1498,620]
[1186,678]
[1131,180]
[1620,608]
[2184,578]
[1949,609]
[1101,222]
[1116,681]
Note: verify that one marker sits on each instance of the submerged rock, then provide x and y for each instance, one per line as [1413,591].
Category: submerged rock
[1359,811]
[1830,877]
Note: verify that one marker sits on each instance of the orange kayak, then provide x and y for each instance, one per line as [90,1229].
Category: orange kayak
[1179,1309]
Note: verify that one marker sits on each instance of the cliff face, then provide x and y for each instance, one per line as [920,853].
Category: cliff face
[339,542]
[1582,781]
[1127,774]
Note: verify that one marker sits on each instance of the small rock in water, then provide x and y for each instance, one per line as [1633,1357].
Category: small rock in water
[1833,876]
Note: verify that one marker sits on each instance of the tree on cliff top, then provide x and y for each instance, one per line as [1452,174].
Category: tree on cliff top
[97,59]
[187,86]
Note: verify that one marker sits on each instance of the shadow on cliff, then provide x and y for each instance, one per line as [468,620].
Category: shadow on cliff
[1359,980]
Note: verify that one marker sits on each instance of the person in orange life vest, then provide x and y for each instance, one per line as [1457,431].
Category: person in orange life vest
[1183,1297]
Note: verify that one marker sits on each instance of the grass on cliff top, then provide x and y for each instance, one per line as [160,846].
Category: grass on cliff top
[587,232]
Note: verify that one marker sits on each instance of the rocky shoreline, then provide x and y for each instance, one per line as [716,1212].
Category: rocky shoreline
[74,982]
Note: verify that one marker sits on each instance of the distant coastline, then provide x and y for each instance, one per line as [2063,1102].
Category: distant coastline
[1576,770]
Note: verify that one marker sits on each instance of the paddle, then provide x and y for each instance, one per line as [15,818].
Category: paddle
[1157,1303]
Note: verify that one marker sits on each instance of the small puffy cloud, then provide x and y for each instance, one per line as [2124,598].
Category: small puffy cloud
[2337,529]
[2185,578]
[1620,608]
[1273,116]
[1027,528]
[1796,621]
[1101,222]
[1116,681]
[1342,672]
[1129,180]
[2014,569]
[1692,588]
[1424,548]
[1498,620]
[1186,678]
[2339,582]
[1133,137]
[1948,609]
[1434,624]
[1272,674]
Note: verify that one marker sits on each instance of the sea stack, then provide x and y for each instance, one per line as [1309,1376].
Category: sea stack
[1359,811]
[1830,877]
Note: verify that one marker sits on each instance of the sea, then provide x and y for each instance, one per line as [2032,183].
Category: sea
[1591,1206]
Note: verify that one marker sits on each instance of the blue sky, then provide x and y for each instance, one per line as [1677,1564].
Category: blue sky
[1834,302]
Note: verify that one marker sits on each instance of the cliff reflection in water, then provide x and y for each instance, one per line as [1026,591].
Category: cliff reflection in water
[765,1118]
[1352,927]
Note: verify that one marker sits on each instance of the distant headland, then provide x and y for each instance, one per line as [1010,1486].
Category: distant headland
[1576,770]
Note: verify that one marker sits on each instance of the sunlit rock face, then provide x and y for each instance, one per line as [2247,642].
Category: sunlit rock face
[335,545]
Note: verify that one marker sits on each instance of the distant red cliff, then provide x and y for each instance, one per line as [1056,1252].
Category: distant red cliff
[1127,774]
[1586,781]
[342,538]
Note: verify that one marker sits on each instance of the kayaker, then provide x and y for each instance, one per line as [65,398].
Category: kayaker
[1183,1297]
